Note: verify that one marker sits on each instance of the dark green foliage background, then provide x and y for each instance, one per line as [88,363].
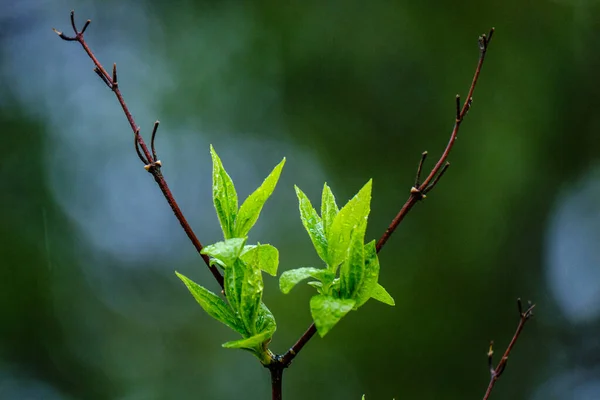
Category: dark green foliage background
[365,87]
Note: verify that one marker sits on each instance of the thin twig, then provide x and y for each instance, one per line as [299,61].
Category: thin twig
[418,193]
[496,373]
[152,165]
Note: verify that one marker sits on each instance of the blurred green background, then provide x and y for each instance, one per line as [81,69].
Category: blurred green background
[90,307]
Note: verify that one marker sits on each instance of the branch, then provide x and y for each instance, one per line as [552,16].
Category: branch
[149,157]
[497,372]
[419,190]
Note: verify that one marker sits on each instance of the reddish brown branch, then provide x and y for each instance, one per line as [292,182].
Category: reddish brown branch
[495,373]
[418,192]
[149,158]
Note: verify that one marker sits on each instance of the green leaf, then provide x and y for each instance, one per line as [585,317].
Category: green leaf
[225,252]
[265,326]
[224,196]
[291,278]
[371,275]
[252,343]
[234,279]
[380,294]
[355,212]
[327,311]
[251,296]
[265,320]
[213,305]
[250,209]
[262,256]
[352,270]
[329,208]
[312,223]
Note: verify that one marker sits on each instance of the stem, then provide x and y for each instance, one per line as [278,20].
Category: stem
[153,165]
[419,192]
[495,373]
[276,370]
[287,358]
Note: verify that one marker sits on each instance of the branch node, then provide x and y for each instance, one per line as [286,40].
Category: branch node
[153,166]
[419,195]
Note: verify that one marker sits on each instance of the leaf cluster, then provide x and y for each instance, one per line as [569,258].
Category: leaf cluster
[348,279]
[242,264]
[351,272]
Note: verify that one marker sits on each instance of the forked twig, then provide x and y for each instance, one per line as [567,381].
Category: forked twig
[419,192]
[151,162]
[496,372]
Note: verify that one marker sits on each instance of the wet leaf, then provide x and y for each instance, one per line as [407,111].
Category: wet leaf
[354,213]
[329,208]
[225,252]
[213,305]
[252,206]
[224,196]
[313,224]
[328,311]
[262,256]
[291,278]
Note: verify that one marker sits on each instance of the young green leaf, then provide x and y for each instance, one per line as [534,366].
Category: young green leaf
[224,196]
[327,311]
[371,275]
[213,305]
[329,208]
[380,294]
[313,224]
[352,269]
[262,256]
[291,278]
[250,296]
[225,252]
[355,212]
[265,320]
[233,280]
[252,206]
[253,343]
